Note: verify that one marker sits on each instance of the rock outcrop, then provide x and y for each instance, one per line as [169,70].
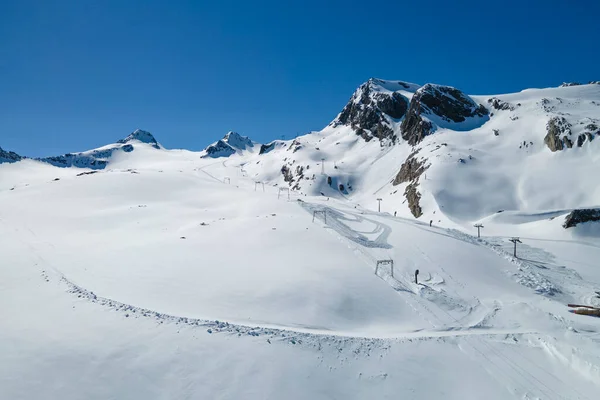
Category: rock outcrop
[444,102]
[265,148]
[558,128]
[576,217]
[373,109]
[501,105]
[231,143]
[567,84]
[219,149]
[9,156]
[413,197]
[411,171]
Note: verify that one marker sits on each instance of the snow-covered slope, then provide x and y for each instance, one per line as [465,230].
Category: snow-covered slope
[449,157]
[265,271]
[100,157]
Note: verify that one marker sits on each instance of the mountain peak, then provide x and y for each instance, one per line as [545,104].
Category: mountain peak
[237,141]
[9,156]
[392,86]
[141,136]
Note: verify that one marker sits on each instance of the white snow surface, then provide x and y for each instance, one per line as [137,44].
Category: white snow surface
[170,275]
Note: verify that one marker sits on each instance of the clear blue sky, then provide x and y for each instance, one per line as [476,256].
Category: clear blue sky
[75,75]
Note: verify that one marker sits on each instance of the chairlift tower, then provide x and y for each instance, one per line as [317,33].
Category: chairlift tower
[515,240]
[478,226]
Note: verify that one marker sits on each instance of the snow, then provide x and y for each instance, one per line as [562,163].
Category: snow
[157,277]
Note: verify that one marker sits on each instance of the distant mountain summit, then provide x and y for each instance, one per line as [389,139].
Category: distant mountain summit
[232,143]
[375,109]
[140,136]
[9,156]
[99,158]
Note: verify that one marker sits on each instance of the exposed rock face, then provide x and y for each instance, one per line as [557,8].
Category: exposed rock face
[594,83]
[295,146]
[141,136]
[219,149]
[413,197]
[230,144]
[265,148]
[410,171]
[445,102]
[371,111]
[414,128]
[567,84]
[498,104]
[287,174]
[9,156]
[576,217]
[558,128]
[96,159]
[560,133]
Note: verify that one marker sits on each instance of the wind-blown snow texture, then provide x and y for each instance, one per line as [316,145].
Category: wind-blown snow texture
[138,272]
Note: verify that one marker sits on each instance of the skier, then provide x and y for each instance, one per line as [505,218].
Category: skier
[395,213]
[416,274]
[430,222]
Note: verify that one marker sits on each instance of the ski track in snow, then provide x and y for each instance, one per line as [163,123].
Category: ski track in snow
[497,364]
[510,369]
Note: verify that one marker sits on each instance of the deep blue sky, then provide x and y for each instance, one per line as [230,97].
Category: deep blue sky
[75,75]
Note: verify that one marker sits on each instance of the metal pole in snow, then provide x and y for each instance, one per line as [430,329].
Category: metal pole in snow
[478,226]
[515,240]
[379,207]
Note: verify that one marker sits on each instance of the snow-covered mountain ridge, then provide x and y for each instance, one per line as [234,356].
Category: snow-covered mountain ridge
[430,151]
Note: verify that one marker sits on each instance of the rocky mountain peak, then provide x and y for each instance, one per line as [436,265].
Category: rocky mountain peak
[440,104]
[375,109]
[567,84]
[231,143]
[141,136]
[9,156]
[237,141]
